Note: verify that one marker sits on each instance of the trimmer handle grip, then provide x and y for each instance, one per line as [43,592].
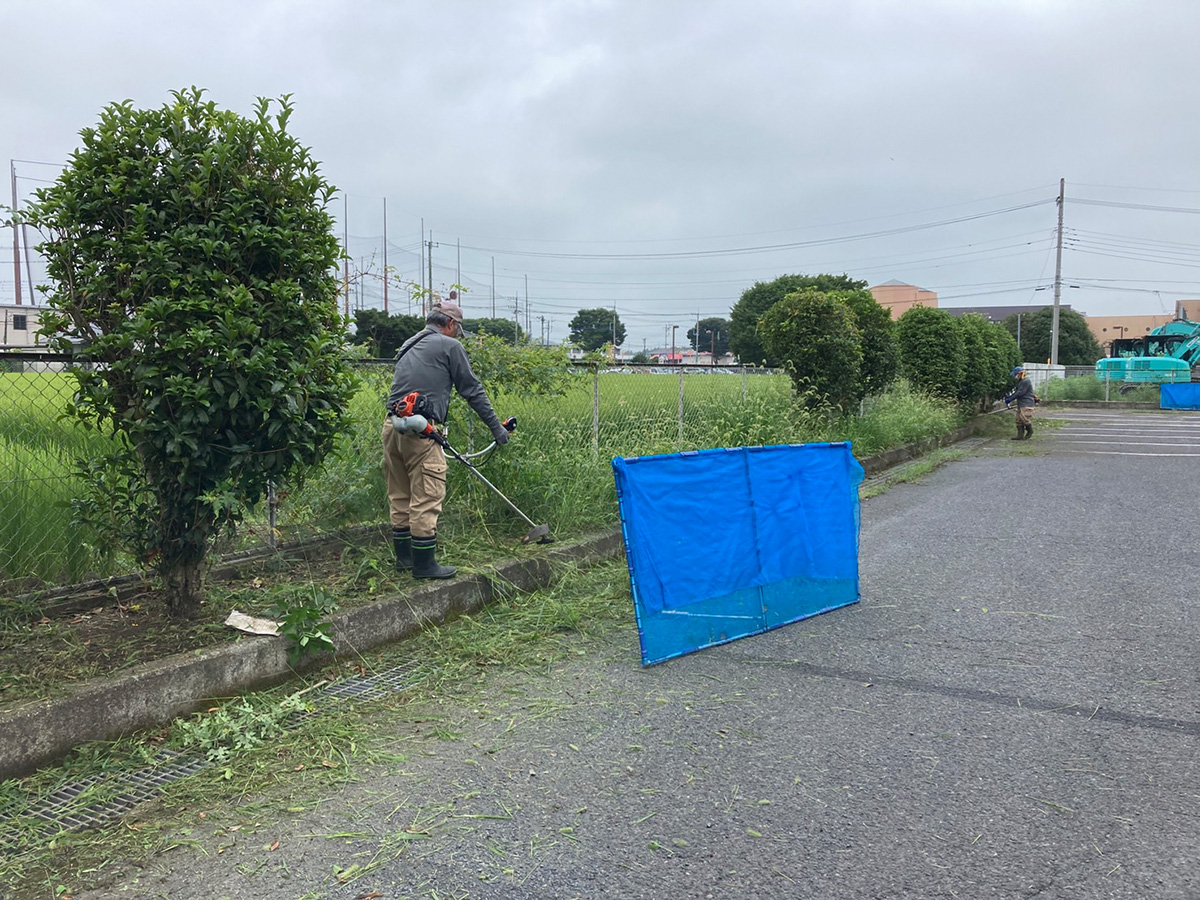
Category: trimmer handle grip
[510,424]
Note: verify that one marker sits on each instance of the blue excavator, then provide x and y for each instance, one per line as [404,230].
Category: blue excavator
[1167,354]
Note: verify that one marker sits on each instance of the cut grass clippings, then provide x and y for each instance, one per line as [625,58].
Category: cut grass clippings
[249,789]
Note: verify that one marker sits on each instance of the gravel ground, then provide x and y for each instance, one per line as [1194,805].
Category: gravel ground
[1011,711]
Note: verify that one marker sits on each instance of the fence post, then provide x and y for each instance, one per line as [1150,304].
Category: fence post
[272,508]
[681,407]
[1106,377]
[743,384]
[596,412]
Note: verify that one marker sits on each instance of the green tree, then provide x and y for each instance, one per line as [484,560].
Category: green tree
[979,362]
[931,350]
[814,335]
[744,339]
[877,333]
[1004,356]
[507,329]
[1077,346]
[383,333]
[714,332]
[529,370]
[191,253]
[591,329]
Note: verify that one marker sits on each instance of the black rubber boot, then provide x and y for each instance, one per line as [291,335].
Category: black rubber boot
[402,542]
[1028,432]
[424,549]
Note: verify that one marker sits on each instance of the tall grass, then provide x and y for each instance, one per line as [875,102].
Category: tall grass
[38,540]
[556,469]
[1088,387]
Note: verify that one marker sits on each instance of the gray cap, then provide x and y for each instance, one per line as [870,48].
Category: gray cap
[453,310]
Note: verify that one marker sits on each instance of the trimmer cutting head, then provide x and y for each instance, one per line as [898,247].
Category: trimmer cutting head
[539,535]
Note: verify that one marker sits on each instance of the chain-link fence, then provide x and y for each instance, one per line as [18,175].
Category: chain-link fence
[557,468]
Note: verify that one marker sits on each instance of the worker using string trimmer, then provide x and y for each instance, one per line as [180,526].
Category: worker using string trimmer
[429,364]
[1025,399]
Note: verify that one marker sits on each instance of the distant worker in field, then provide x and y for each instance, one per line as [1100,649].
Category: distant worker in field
[429,364]
[1025,399]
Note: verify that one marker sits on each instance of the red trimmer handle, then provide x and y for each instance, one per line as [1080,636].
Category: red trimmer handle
[510,424]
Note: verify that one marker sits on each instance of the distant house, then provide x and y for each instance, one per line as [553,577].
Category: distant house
[19,326]
[899,297]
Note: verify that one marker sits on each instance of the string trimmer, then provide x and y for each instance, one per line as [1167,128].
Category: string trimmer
[407,420]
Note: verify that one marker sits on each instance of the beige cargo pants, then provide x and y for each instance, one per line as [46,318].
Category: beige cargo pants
[415,470]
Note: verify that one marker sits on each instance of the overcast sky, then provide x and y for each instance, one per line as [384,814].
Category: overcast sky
[662,156]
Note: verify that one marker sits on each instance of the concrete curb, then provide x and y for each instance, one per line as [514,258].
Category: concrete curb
[872,465]
[1100,404]
[153,694]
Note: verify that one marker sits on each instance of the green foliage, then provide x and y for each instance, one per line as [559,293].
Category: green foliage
[980,367]
[744,338]
[900,415]
[591,329]
[382,333]
[239,725]
[877,332]
[302,611]
[1089,387]
[713,332]
[191,252]
[1077,346]
[530,370]
[815,335]
[931,350]
[507,329]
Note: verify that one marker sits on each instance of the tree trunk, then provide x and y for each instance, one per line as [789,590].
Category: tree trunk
[185,589]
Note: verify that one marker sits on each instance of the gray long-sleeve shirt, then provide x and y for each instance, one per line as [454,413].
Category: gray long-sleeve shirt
[433,366]
[1023,393]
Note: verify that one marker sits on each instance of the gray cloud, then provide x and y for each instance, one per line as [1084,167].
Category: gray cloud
[622,128]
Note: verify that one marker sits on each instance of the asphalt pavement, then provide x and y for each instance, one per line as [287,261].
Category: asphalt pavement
[1011,711]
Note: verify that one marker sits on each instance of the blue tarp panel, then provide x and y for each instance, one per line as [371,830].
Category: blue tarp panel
[1182,395]
[722,544]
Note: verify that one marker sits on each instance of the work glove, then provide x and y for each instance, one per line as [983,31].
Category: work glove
[1007,399]
[501,435]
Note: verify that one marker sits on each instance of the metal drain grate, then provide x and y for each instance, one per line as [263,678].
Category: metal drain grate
[101,798]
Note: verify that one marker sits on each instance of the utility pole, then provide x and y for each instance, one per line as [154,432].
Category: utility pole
[421,268]
[458,258]
[345,257]
[493,287]
[1057,276]
[516,319]
[528,321]
[16,235]
[426,309]
[385,268]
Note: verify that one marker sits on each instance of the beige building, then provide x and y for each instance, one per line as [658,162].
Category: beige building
[1106,328]
[899,297]
[19,325]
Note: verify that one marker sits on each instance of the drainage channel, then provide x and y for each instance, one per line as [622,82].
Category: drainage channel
[100,799]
